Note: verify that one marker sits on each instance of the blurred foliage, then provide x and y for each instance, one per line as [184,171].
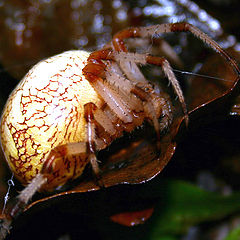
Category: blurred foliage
[178,205]
[234,234]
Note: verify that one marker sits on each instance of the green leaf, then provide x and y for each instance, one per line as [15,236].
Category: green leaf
[234,234]
[183,205]
[178,206]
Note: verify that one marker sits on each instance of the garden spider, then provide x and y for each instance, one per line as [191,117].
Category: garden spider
[70,106]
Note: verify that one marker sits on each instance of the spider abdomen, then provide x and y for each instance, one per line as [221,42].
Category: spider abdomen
[46,110]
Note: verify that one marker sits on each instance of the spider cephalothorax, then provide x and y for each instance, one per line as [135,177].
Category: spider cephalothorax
[70,106]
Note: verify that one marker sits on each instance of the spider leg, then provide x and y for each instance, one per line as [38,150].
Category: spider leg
[91,137]
[55,172]
[186,27]
[120,105]
[143,59]
[119,45]
[150,31]
[136,85]
[94,71]
[136,94]
[143,32]
[160,61]
[155,46]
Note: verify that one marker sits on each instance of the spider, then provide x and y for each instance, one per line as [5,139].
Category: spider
[70,106]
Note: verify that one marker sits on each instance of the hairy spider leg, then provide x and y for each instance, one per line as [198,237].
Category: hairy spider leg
[91,137]
[187,27]
[143,32]
[95,71]
[150,31]
[144,94]
[119,45]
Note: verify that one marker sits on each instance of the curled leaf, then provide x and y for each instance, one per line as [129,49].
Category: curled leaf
[216,80]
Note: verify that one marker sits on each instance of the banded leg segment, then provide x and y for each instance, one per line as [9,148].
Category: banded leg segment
[96,120]
[118,101]
[144,59]
[159,61]
[124,57]
[150,31]
[186,27]
[91,137]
